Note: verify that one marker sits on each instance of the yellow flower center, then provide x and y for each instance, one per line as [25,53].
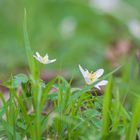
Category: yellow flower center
[92,77]
[44,60]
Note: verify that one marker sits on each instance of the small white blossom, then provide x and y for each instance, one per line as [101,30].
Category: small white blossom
[105,5]
[134,28]
[44,60]
[92,77]
[67,27]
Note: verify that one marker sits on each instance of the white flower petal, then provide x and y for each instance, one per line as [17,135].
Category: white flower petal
[99,73]
[51,61]
[37,58]
[46,56]
[82,71]
[37,54]
[101,83]
[85,74]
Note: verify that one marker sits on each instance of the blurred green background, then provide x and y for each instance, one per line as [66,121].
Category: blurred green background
[72,31]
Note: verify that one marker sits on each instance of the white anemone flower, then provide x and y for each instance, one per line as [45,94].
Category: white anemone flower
[68,27]
[105,5]
[44,60]
[92,77]
[134,28]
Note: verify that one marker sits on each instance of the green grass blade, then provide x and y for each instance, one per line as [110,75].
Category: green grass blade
[4,103]
[106,108]
[134,122]
[32,64]
[116,112]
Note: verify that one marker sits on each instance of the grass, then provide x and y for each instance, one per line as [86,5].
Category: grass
[34,112]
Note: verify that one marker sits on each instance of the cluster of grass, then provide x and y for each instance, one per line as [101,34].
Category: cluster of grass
[34,112]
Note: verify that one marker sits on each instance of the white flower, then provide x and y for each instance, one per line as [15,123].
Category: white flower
[134,28]
[92,77]
[44,60]
[105,5]
[68,27]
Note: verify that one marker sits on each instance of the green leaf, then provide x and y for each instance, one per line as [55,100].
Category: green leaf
[19,79]
[16,81]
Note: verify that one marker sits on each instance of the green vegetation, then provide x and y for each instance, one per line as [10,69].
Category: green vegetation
[62,109]
[35,112]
